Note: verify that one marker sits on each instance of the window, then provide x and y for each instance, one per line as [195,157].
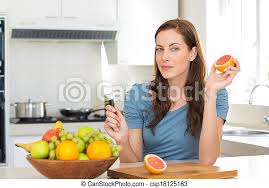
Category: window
[239,28]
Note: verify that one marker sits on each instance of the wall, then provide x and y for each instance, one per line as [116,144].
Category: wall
[195,11]
[40,70]
[122,77]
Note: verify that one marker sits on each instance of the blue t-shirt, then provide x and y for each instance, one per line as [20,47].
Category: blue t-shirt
[170,140]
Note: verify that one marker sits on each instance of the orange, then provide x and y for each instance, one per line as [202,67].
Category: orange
[224,62]
[67,150]
[98,150]
[154,164]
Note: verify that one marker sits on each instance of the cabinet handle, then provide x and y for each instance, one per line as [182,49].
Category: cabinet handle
[70,17]
[51,17]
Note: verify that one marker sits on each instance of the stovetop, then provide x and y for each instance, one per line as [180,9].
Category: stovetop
[50,119]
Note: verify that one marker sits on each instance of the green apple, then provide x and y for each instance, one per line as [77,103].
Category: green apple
[83,156]
[40,150]
[85,133]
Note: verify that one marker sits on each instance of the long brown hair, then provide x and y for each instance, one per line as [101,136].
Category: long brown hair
[195,78]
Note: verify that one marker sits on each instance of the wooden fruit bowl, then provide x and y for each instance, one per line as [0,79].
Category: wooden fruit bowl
[75,169]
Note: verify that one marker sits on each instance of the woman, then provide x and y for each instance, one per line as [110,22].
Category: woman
[179,115]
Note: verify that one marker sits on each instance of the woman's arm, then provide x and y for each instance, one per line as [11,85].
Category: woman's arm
[132,149]
[211,133]
[129,139]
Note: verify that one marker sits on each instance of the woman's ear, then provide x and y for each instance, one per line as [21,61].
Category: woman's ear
[193,53]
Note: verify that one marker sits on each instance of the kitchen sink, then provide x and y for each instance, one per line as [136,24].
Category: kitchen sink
[245,132]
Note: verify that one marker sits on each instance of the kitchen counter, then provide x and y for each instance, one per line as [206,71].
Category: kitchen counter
[244,145]
[249,167]
[41,128]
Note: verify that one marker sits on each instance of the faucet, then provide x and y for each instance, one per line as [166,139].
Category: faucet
[252,91]
[266,120]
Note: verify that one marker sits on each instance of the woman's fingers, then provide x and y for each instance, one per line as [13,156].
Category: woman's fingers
[110,108]
[231,70]
[113,126]
[111,114]
[228,72]
[109,130]
[237,64]
[111,120]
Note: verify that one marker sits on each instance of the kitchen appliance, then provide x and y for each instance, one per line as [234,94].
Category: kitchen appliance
[60,29]
[2,91]
[82,113]
[30,109]
[185,170]
[53,119]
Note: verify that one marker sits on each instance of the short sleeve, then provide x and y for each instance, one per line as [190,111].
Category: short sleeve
[131,111]
[222,104]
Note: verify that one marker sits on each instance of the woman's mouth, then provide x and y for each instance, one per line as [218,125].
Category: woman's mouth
[166,67]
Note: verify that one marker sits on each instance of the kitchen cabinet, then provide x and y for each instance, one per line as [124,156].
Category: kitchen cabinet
[139,21]
[99,12]
[32,9]
[96,12]
[3,7]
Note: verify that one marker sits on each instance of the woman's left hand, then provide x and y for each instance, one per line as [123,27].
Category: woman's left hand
[216,81]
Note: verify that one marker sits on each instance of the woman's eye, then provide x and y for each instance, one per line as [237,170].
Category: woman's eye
[158,49]
[174,49]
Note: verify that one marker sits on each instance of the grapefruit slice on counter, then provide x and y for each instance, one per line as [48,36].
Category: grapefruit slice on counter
[154,164]
[224,62]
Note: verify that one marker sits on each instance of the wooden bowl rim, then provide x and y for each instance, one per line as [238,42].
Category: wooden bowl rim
[29,157]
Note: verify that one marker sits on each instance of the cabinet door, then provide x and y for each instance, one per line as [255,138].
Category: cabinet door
[3,6]
[34,8]
[139,20]
[100,12]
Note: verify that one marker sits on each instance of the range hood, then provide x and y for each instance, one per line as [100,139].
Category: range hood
[62,30]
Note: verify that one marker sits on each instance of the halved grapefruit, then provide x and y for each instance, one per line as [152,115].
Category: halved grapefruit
[154,164]
[224,62]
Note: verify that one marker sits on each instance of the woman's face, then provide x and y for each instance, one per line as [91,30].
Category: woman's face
[173,55]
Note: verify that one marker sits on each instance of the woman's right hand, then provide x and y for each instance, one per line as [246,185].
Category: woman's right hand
[115,125]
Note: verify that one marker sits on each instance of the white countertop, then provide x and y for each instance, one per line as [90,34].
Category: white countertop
[258,140]
[41,128]
[249,167]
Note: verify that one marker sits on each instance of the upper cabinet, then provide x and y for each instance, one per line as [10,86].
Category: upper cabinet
[100,12]
[33,8]
[139,20]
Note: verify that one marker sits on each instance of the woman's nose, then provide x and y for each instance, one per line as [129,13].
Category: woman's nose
[166,55]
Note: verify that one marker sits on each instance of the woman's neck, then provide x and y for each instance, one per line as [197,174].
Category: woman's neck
[177,93]
[179,81]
